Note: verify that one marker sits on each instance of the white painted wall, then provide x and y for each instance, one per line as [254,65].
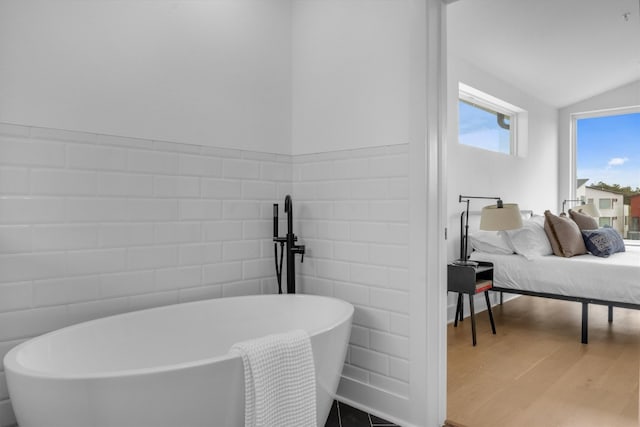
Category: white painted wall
[529,179]
[204,72]
[350,74]
[622,97]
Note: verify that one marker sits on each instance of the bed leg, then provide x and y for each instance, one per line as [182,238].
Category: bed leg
[501,298]
[610,313]
[585,323]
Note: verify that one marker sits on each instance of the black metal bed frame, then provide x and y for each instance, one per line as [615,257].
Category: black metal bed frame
[584,301]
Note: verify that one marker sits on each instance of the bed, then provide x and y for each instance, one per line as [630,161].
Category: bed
[613,281]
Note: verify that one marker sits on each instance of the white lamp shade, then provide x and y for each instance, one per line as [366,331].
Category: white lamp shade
[589,209]
[507,217]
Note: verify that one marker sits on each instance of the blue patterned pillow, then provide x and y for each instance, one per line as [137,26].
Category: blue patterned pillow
[603,241]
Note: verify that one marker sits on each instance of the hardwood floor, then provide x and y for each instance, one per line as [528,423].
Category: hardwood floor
[536,373]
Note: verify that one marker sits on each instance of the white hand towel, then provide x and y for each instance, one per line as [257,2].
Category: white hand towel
[279,380]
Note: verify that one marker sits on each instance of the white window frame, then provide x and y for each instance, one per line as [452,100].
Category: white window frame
[573,156]
[517,116]
[605,221]
[607,201]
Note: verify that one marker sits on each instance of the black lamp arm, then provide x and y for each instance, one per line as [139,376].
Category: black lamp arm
[571,200]
[464,229]
[464,218]
[498,203]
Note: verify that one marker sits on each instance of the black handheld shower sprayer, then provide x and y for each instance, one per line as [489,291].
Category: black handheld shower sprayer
[282,242]
[291,248]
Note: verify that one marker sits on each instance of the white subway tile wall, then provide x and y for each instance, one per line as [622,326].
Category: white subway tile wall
[94,225]
[351,210]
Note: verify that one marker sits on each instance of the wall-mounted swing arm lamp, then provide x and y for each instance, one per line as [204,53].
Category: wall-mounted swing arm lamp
[587,208]
[564,202]
[501,216]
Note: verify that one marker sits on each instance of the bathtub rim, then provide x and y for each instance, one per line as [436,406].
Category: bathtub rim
[12,364]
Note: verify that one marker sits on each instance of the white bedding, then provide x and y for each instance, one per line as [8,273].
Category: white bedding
[616,278]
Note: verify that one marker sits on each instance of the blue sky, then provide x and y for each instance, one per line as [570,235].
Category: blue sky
[608,149]
[479,128]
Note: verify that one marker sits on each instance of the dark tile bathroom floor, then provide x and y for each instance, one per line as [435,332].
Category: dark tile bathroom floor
[343,415]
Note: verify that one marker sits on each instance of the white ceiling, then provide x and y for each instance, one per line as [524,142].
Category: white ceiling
[561,51]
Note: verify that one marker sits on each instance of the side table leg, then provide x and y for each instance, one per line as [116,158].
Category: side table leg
[473,319]
[458,308]
[493,325]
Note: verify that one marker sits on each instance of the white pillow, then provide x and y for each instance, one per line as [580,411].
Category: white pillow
[531,240]
[490,242]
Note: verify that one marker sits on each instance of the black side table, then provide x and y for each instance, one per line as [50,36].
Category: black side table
[471,280]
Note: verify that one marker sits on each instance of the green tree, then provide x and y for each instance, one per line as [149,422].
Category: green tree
[626,192]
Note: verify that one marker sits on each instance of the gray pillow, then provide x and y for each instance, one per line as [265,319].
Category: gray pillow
[564,235]
[584,221]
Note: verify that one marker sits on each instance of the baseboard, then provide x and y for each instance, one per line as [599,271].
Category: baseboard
[375,401]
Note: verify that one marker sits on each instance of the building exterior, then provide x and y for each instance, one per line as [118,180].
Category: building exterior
[634,217]
[613,212]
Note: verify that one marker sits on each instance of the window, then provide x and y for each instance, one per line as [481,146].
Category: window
[607,149]
[487,122]
[482,127]
[604,221]
[605,204]
[606,160]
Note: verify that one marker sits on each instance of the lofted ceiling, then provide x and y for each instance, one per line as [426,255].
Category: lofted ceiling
[561,51]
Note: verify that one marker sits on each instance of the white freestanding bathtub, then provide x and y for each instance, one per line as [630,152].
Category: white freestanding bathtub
[167,366]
